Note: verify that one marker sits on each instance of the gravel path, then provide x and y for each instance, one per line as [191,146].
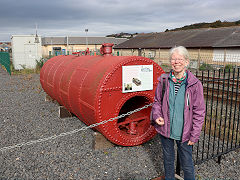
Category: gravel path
[25,116]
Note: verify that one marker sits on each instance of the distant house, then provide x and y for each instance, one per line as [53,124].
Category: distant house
[68,45]
[211,45]
[5,46]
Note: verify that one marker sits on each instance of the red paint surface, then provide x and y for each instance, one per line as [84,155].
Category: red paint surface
[91,88]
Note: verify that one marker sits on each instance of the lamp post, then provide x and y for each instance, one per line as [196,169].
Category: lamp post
[86,30]
[51,47]
[37,42]
[67,47]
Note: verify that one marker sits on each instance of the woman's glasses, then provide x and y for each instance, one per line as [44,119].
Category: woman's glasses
[177,60]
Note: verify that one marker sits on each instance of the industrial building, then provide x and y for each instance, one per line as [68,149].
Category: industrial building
[28,49]
[208,45]
[52,46]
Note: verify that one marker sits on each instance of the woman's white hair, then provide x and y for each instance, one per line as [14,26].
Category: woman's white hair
[180,50]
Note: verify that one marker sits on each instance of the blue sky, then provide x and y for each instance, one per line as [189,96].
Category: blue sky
[103,17]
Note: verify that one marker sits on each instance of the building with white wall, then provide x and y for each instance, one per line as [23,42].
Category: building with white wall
[26,50]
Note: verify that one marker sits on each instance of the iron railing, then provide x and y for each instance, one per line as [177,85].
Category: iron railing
[221,133]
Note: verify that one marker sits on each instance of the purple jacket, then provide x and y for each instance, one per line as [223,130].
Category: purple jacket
[194,109]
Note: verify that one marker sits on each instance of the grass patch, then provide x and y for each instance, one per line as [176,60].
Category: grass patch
[24,70]
[205,67]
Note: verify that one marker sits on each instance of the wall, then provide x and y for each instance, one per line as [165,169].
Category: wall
[47,49]
[25,51]
[218,57]
[160,56]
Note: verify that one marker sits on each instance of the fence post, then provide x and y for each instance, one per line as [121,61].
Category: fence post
[198,64]
[219,159]
[159,57]
[224,57]
[139,52]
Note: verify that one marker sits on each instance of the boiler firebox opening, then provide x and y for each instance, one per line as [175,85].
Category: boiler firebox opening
[138,122]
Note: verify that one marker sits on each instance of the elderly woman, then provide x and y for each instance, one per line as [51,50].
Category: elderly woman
[178,114]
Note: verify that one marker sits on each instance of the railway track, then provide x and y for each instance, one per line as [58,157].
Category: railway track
[222,86]
[219,94]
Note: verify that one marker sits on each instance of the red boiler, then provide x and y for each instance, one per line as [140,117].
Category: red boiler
[97,88]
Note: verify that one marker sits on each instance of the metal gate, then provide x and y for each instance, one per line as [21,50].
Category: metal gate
[5,61]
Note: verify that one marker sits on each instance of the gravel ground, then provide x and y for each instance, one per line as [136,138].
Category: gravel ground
[26,116]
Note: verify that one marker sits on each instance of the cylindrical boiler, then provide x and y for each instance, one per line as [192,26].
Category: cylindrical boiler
[97,88]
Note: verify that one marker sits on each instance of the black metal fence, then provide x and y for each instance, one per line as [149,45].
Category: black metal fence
[221,131]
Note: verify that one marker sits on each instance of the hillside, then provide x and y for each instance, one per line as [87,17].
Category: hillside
[122,35]
[216,24]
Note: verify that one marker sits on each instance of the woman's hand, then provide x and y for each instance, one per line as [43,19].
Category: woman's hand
[160,121]
[190,143]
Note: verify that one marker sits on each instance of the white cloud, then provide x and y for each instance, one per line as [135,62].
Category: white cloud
[71,17]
